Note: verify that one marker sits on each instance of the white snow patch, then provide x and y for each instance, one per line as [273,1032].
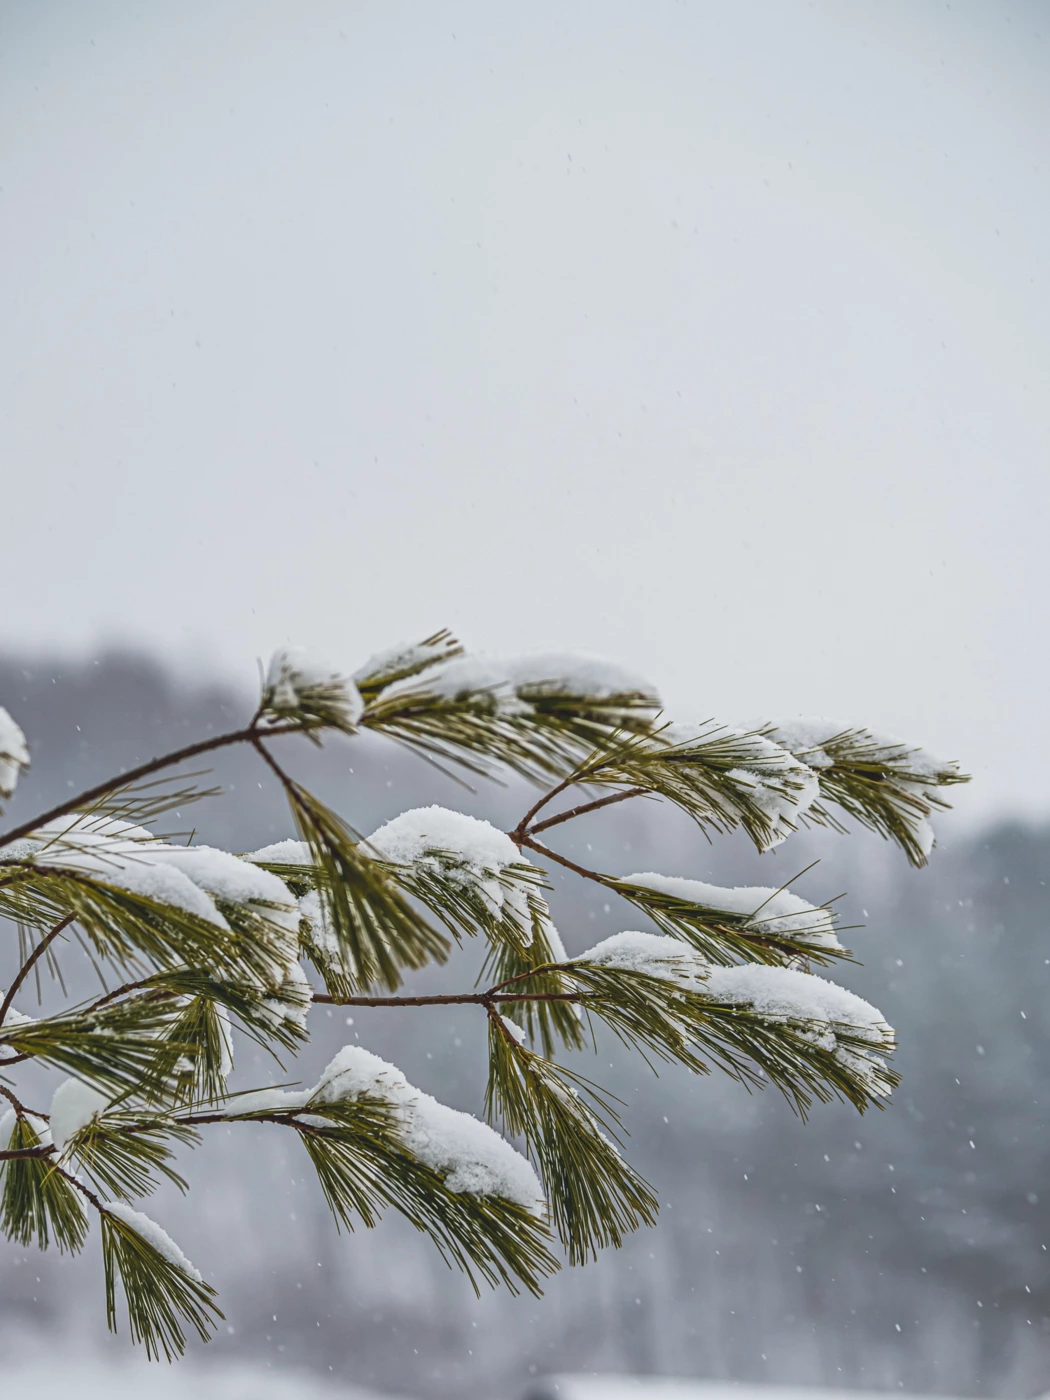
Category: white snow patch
[651,953]
[810,740]
[269,1101]
[14,753]
[7,1127]
[766,776]
[152,1233]
[514,1029]
[782,994]
[508,681]
[190,878]
[12,1017]
[283,853]
[767,910]
[568,673]
[73,1106]
[293,673]
[466,849]
[473,1159]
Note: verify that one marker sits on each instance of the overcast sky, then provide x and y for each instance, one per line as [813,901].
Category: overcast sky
[710,337]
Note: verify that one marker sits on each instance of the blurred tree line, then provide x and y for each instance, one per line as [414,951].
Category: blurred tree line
[905,1249]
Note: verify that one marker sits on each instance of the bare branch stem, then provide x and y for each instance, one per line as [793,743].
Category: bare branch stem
[452,999]
[145,770]
[584,808]
[27,967]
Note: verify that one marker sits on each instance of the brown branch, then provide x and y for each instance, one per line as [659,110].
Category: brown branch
[539,804]
[524,839]
[9,1154]
[119,992]
[85,1191]
[16,1103]
[585,807]
[453,999]
[145,770]
[27,966]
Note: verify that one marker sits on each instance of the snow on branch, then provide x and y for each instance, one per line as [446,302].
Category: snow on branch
[720,777]
[881,781]
[470,1157]
[301,688]
[537,715]
[467,871]
[209,945]
[14,753]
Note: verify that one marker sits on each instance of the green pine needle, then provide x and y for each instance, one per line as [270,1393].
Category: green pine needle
[378,931]
[162,1299]
[38,1203]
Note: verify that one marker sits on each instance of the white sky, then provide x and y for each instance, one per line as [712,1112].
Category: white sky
[710,337]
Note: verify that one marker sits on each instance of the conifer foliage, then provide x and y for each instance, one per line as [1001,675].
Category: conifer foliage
[198,948]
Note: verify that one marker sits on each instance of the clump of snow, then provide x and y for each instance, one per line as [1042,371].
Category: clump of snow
[283,853]
[907,768]
[766,911]
[508,682]
[152,1233]
[764,775]
[14,753]
[73,1106]
[651,953]
[292,1000]
[924,835]
[482,847]
[405,658]
[485,681]
[269,1101]
[12,1017]
[297,683]
[782,994]
[117,854]
[321,932]
[823,742]
[225,1041]
[190,878]
[578,675]
[468,850]
[473,1159]
[514,1029]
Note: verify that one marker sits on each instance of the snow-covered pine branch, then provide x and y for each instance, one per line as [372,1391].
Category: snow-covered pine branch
[204,948]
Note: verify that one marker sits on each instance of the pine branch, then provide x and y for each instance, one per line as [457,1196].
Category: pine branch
[586,807]
[596,1198]
[377,930]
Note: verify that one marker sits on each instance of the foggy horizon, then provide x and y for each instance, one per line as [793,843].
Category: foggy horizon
[709,339]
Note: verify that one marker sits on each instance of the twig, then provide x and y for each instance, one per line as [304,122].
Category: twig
[539,804]
[17,1104]
[27,966]
[452,999]
[144,770]
[85,1191]
[524,839]
[585,807]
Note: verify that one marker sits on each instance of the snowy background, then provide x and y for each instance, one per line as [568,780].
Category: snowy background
[906,1248]
[708,337]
